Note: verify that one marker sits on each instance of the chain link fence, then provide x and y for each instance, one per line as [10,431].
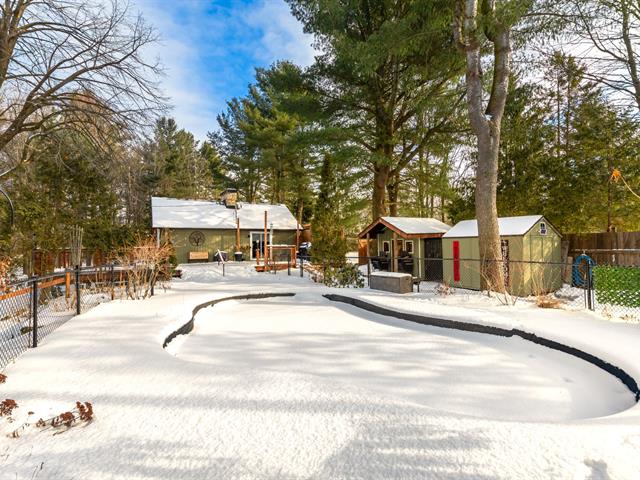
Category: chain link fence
[607,289]
[616,290]
[33,308]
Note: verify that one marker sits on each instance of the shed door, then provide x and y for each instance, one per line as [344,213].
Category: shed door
[433,259]
[456,261]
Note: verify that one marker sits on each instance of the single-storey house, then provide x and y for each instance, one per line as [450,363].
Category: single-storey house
[531,249]
[208,226]
[405,244]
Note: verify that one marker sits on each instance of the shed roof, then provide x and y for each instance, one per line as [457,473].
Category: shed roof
[409,226]
[202,214]
[508,226]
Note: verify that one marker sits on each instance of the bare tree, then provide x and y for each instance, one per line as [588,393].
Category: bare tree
[609,31]
[65,62]
[477,25]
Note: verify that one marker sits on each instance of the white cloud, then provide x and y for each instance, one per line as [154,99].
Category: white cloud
[209,52]
[282,35]
[192,106]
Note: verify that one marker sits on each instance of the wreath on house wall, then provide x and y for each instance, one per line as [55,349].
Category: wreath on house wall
[196,238]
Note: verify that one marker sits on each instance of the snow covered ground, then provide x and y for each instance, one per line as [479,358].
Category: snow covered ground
[459,372]
[238,400]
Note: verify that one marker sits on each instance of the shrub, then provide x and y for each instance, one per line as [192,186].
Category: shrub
[444,290]
[83,413]
[7,406]
[617,285]
[344,276]
[146,262]
[547,301]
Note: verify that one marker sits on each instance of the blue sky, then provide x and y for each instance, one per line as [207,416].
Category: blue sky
[210,48]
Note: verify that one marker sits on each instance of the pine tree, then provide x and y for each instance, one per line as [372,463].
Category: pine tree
[329,239]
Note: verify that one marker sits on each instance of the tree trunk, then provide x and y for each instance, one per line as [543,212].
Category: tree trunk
[392,193]
[486,123]
[487,214]
[383,157]
[380,181]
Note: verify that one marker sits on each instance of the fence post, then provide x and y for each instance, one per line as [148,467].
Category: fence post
[34,306]
[589,288]
[153,280]
[289,263]
[77,272]
[301,267]
[112,282]
[223,269]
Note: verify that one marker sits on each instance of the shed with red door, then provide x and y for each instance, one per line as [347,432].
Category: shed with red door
[531,255]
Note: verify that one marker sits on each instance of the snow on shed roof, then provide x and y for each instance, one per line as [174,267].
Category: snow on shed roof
[417,225]
[508,226]
[202,214]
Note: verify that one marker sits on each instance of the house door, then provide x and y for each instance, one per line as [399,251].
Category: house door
[433,259]
[257,244]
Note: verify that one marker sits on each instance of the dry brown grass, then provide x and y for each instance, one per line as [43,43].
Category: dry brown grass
[82,414]
[548,301]
[146,262]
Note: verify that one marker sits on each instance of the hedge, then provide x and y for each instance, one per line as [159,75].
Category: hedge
[617,285]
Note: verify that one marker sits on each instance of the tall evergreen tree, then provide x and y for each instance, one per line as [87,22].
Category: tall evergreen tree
[382,65]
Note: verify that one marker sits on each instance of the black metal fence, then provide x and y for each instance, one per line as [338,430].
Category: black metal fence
[608,289]
[33,308]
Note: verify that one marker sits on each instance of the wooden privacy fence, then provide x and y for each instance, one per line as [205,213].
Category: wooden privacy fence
[606,248]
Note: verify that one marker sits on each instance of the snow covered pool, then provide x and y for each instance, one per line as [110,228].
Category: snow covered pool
[460,372]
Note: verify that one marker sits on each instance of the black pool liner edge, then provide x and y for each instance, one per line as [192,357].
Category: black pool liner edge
[617,372]
[188,327]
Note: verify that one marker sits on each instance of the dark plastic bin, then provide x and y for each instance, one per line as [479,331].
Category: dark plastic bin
[220,257]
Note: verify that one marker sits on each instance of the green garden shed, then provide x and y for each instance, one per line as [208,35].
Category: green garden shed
[531,249]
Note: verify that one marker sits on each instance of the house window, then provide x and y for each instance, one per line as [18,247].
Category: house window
[543,228]
[385,247]
[408,245]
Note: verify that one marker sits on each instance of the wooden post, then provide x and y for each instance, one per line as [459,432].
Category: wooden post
[394,259]
[366,251]
[67,285]
[300,208]
[265,240]
[237,234]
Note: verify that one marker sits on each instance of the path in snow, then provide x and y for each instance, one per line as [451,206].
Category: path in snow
[459,372]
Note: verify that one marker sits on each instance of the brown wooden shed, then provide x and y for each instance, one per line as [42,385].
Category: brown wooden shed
[416,237]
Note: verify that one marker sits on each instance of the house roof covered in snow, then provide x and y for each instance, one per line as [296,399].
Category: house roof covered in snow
[202,214]
[508,226]
[408,226]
